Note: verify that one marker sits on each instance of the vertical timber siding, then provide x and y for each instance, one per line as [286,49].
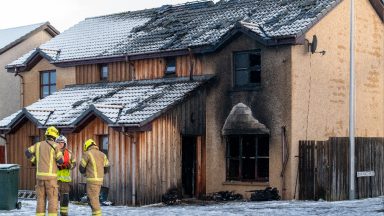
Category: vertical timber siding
[138,70]
[17,143]
[158,153]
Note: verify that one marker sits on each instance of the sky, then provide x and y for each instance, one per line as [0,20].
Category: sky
[63,14]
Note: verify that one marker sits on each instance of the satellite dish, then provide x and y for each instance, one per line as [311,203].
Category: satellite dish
[314,44]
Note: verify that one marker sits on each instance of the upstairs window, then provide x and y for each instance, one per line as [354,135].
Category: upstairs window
[247,69]
[247,158]
[104,72]
[170,68]
[103,144]
[47,83]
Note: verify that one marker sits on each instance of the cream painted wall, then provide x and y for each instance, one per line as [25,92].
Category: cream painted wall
[9,84]
[320,93]
[64,76]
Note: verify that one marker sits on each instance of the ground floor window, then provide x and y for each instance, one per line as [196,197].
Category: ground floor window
[247,158]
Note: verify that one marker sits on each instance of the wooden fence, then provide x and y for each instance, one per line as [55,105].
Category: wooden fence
[324,168]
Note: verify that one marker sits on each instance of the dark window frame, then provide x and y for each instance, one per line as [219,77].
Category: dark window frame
[168,61]
[241,157]
[256,68]
[101,143]
[49,84]
[101,72]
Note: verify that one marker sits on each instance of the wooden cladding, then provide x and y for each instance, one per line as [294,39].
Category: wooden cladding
[16,145]
[158,154]
[138,70]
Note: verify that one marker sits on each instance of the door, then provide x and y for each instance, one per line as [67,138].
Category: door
[188,165]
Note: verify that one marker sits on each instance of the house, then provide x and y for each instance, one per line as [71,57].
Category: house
[202,96]
[15,42]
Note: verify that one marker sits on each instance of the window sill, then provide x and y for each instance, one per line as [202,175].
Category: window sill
[240,183]
[247,88]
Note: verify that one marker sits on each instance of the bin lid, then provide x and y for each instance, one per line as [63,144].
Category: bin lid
[9,166]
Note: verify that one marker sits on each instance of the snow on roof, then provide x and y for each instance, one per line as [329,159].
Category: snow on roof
[10,35]
[178,27]
[119,103]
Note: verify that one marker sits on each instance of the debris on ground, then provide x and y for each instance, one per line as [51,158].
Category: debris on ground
[172,197]
[268,194]
[223,196]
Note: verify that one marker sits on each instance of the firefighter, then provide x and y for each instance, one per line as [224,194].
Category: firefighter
[64,174]
[46,155]
[94,164]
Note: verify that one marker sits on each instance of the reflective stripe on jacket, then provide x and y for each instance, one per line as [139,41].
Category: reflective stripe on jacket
[94,162]
[64,175]
[46,156]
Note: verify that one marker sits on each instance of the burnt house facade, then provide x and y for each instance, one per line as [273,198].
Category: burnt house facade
[201,96]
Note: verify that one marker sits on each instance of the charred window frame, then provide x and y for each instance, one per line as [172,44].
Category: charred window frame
[47,83]
[247,69]
[104,144]
[170,66]
[247,158]
[104,72]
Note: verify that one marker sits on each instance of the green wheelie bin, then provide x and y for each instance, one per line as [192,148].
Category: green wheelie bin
[9,181]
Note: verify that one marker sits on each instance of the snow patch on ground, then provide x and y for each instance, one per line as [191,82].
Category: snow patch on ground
[372,206]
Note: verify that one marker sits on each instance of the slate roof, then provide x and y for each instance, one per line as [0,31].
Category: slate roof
[197,25]
[130,103]
[12,36]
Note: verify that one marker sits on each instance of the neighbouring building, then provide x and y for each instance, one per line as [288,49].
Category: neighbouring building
[203,96]
[15,42]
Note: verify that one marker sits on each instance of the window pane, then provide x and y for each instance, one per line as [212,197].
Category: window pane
[255,76]
[249,146]
[241,77]
[263,146]
[52,89]
[248,170]
[263,167]
[233,147]
[104,72]
[45,91]
[241,61]
[45,78]
[104,144]
[53,77]
[233,169]
[171,66]
[254,59]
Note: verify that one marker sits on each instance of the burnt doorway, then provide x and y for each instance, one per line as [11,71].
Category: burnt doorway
[188,172]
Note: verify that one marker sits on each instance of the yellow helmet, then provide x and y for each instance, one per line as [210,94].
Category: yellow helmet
[52,131]
[88,143]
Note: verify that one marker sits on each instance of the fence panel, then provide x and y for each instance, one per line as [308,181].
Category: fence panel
[324,168]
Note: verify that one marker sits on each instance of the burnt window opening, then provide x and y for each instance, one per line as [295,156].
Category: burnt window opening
[170,68]
[104,144]
[104,71]
[247,158]
[247,69]
[47,83]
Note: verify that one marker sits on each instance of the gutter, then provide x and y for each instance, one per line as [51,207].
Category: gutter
[133,137]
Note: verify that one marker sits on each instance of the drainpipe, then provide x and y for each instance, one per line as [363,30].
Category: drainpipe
[21,87]
[5,149]
[133,158]
[191,64]
[133,169]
